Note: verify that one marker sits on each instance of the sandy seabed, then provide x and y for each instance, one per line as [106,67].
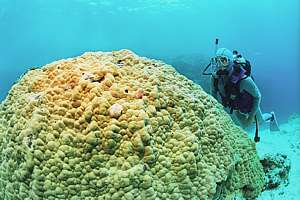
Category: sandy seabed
[286,141]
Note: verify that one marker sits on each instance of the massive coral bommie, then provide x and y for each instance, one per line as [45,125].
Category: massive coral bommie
[118,126]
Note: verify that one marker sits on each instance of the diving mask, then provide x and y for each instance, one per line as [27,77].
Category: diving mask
[222,61]
[221,64]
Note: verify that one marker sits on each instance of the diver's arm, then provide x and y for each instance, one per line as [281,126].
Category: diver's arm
[213,90]
[249,86]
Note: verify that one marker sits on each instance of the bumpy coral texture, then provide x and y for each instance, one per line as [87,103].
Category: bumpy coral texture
[112,125]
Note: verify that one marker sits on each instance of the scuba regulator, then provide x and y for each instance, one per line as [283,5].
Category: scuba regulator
[212,62]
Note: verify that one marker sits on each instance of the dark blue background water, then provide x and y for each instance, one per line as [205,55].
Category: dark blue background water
[36,32]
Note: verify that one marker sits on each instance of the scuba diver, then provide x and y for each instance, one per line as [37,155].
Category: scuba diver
[233,86]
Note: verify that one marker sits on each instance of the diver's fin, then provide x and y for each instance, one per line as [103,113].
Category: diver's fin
[273,123]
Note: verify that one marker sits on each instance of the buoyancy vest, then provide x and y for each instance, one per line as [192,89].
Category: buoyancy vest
[233,98]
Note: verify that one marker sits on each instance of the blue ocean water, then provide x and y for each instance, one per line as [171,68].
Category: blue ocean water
[36,32]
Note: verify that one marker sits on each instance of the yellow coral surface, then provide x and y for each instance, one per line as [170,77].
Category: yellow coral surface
[113,125]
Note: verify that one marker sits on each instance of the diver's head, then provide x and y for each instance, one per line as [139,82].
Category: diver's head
[224,60]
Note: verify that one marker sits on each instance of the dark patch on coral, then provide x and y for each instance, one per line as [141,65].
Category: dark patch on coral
[120,63]
[99,80]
